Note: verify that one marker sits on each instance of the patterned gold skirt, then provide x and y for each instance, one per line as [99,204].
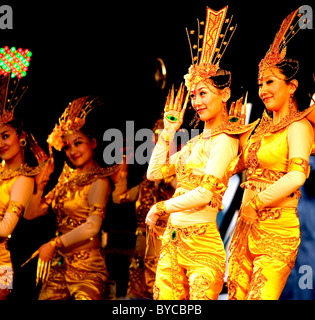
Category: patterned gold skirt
[191,264]
[263,256]
[81,276]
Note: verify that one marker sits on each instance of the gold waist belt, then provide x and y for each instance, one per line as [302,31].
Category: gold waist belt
[187,231]
[264,175]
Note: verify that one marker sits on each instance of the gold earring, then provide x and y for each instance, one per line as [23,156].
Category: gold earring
[195,120]
[22,142]
[291,103]
[224,113]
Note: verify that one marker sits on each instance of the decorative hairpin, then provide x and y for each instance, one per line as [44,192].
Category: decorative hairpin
[214,45]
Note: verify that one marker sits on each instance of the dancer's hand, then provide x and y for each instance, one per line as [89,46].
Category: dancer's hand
[43,176]
[121,173]
[174,111]
[248,213]
[46,252]
[237,112]
[152,217]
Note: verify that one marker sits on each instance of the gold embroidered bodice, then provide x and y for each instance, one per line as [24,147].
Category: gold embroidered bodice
[5,190]
[8,177]
[266,156]
[191,163]
[193,159]
[70,200]
[269,150]
[199,168]
[268,147]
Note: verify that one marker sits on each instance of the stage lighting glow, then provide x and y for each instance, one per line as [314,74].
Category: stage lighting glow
[15,61]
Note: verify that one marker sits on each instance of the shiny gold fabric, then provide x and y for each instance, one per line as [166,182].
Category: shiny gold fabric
[259,267]
[70,201]
[5,190]
[143,265]
[191,264]
[5,257]
[264,252]
[81,275]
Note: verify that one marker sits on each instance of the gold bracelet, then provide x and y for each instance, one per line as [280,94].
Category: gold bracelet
[97,209]
[56,242]
[161,208]
[213,184]
[256,204]
[15,208]
[299,164]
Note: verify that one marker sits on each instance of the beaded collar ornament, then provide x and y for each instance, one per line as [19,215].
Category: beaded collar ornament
[72,120]
[213,47]
[277,51]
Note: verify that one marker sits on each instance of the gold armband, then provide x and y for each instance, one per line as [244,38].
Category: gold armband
[56,242]
[98,210]
[217,187]
[123,198]
[168,169]
[161,208]
[299,164]
[213,184]
[256,204]
[15,208]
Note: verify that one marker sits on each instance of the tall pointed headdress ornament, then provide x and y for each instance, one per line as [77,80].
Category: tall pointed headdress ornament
[215,42]
[13,66]
[10,95]
[72,120]
[278,49]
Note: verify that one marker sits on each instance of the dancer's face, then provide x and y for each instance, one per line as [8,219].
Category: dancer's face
[274,90]
[79,149]
[208,101]
[10,148]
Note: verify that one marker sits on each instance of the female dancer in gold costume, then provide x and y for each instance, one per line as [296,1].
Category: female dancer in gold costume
[16,175]
[192,259]
[267,235]
[143,264]
[71,265]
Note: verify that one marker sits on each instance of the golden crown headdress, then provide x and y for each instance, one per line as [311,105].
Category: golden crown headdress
[10,95]
[213,47]
[277,51]
[72,120]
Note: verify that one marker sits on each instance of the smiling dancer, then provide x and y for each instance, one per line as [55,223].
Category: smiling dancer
[20,157]
[267,235]
[71,265]
[192,259]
